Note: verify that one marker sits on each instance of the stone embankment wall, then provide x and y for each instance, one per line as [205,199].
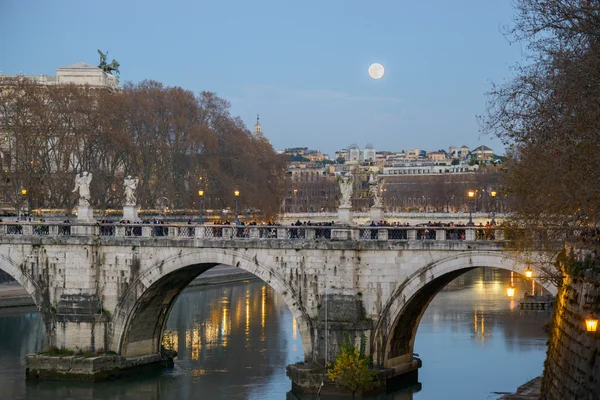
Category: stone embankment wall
[572,367]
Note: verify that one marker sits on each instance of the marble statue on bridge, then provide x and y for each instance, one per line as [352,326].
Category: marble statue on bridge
[85,212]
[346,187]
[82,184]
[375,188]
[130,185]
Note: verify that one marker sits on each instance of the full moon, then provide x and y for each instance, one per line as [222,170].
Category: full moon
[376,71]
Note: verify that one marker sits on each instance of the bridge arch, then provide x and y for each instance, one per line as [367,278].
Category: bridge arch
[24,279]
[394,334]
[142,312]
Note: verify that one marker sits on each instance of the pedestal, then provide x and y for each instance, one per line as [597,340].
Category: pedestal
[130,213]
[377,214]
[344,215]
[85,213]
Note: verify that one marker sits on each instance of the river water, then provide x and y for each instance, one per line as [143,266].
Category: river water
[234,341]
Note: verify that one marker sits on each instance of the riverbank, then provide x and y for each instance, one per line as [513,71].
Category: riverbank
[13,294]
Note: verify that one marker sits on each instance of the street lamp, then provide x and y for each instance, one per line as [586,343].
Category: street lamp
[493,193]
[295,201]
[201,195]
[24,194]
[237,194]
[591,323]
[528,273]
[471,194]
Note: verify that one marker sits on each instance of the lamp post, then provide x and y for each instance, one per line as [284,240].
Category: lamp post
[24,194]
[471,195]
[201,195]
[236,194]
[493,193]
[295,201]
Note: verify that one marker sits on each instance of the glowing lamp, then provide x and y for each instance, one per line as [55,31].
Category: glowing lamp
[528,273]
[471,194]
[591,324]
[236,193]
[23,192]
[200,193]
[510,291]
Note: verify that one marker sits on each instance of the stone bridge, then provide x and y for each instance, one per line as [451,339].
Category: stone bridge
[111,287]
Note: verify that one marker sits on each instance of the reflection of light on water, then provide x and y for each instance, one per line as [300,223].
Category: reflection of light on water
[480,285]
[247,313]
[479,325]
[294,328]
[225,323]
[263,306]
[195,342]
[512,304]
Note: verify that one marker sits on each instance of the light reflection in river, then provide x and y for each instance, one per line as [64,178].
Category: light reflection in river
[235,340]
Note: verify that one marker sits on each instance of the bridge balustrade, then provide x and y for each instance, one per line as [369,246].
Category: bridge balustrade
[304,232]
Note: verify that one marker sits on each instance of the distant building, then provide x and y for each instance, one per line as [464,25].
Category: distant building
[483,153]
[258,127]
[79,74]
[436,156]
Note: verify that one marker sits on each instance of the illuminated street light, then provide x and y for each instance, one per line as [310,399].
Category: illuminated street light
[591,323]
[237,194]
[201,195]
[471,194]
[528,272]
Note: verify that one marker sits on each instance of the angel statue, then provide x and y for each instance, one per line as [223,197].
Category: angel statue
[130,186]
[375,184]
[82,183]
[346,181]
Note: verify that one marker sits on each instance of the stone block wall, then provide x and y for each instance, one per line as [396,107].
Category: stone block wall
[572,367]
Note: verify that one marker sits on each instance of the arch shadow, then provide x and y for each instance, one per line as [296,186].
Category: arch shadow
[141,314]
[394,335]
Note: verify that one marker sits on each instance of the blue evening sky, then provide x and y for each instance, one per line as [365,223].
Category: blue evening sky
[301,65]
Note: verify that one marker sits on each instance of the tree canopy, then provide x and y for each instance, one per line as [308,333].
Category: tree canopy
[175,142]
[548,114]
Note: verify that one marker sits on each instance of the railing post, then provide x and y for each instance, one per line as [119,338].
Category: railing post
[310,233]
[228,232]
[146,231]
[281,233]
[470,235]
[253,232]
[440,234]
[498,234]
[27,229]
[199,231]
[173,231]
[383,234]
[411,234]
[119,231]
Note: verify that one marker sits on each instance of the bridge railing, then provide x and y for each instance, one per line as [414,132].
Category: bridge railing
[260,232]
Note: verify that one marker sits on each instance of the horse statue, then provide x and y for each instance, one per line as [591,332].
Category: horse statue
[108,68]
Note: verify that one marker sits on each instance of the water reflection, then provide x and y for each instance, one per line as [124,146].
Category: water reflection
[235,340]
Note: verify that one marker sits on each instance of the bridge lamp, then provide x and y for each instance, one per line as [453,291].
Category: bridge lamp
[24,192]
[236,193]
[201,195]
[591,323]
[528,273]
[510,291]
[471,194]
[493,193]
